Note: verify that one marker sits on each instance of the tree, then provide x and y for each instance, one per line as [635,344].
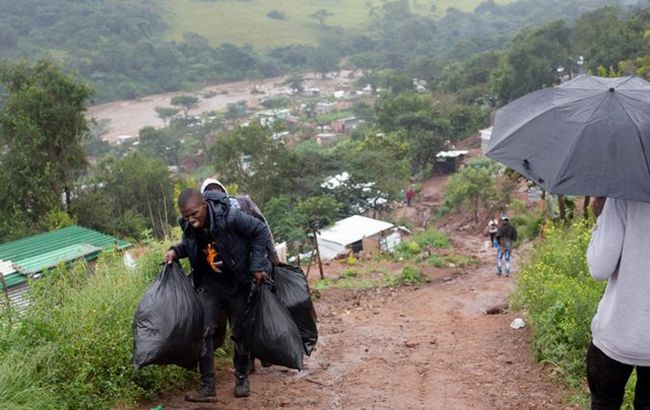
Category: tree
[321,15]
[260,165]
[319,210]
[167,113]
[295,81]
[138,192]
[324,59]
[159,143]
[605,39]
[532,61]
[378,166]
[42,131]
[185,102]
[474,186]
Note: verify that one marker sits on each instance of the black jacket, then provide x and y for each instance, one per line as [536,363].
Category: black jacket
[240,240]
[507,231]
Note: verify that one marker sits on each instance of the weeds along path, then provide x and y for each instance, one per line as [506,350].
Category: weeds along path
[415,347]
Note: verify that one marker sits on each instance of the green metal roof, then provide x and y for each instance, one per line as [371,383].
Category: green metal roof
[46,250]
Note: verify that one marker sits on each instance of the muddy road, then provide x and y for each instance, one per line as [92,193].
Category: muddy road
[415,347]
[127,117]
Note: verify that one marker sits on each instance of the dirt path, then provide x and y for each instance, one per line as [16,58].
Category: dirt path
[427,347]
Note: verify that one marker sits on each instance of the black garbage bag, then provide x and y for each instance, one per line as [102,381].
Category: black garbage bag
[168,324]
[292,290]
[271,334]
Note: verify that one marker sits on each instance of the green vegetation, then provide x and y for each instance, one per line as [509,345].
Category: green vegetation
[473,186]
[128,49]
[560,299]
[410,275]
[72,348]
[42,127]
[230,21]
[431,238]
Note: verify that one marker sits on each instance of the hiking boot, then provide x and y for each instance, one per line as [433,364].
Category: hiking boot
[242,386]
[204,394]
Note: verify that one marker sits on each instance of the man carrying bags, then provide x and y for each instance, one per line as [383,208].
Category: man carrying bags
[227,251]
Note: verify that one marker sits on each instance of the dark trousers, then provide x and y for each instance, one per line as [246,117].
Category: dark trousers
[607,379]
[216,306]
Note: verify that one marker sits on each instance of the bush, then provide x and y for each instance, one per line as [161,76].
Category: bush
[276,15]
[429,238]
[561,298]
[410,276]
[77,331]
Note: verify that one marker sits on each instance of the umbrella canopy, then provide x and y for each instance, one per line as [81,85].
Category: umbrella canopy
[588,136]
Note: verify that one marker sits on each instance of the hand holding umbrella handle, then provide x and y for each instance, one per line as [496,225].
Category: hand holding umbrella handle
[597,205]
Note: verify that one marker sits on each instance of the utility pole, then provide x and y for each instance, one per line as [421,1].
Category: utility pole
[314,226]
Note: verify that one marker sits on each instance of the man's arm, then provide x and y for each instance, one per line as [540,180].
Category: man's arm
[179,250]
[258,233]
[606,246]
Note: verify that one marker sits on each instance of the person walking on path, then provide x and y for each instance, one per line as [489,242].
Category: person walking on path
[492,228]
[620,329]
[410,194]
[506,235]
[227,251]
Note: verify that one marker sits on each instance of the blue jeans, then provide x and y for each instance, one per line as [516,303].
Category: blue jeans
[503,251]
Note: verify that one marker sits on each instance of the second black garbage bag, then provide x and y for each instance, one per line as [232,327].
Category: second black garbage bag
[168,324]
[292,290]
[271,333]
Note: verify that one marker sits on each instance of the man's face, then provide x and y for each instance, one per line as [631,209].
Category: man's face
[195,213]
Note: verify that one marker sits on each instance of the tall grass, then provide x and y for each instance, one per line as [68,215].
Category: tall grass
[561,298]
[76,342]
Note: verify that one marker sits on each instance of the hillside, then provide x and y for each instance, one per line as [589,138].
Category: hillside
[246,22]
[128,49]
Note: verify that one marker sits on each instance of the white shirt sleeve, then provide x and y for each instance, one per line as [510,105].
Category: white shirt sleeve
[606,246]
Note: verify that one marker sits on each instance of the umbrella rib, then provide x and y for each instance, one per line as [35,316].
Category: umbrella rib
[638,134]
[626,80]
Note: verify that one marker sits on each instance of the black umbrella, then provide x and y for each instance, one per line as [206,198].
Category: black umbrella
[588,136]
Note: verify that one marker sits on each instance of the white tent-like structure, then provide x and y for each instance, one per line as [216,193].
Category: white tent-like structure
[347,234]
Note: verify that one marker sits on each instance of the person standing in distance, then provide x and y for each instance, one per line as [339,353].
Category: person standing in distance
[506,236]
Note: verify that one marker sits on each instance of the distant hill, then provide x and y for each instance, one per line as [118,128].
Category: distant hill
[270,23]
[131,48]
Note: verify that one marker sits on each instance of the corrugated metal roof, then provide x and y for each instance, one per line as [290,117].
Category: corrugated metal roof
[6,268]
[353,229]
[47,260]
[39,252]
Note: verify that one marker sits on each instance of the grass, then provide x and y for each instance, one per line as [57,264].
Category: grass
[246,22]
[431,238]
[72,349]
[333,116]
[560,299]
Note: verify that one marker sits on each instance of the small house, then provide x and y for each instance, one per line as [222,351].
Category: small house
[311,92]
[325,107]
[325,138]
[355,234]
[448,162]
[346,125]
